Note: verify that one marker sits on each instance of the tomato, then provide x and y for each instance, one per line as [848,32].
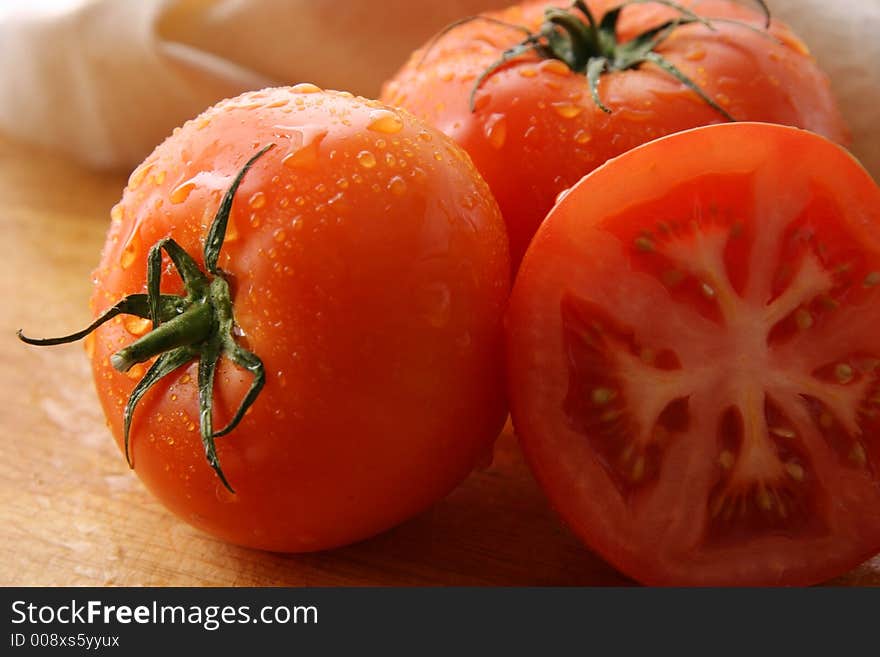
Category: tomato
[694,362]
[368,270]
[535,129]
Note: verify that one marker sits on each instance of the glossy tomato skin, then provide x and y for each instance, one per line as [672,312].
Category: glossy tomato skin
[369,268]
[536,130]
[693,360]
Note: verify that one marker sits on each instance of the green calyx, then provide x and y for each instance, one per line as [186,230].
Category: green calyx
[196,326]
[593,48]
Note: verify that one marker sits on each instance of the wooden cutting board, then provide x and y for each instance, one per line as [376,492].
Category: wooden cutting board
[71,512]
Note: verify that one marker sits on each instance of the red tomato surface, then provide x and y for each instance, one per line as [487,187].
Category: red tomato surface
[535,129]
[369,268]
[694,358]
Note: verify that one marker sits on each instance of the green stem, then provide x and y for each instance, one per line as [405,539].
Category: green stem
[191,327]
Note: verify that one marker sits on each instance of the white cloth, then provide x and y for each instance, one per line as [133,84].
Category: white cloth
[106,80]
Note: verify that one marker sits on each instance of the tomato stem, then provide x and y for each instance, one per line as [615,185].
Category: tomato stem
[192,326]
[197,326]
[593,48]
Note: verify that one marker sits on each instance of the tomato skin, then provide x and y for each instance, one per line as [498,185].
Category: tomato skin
[369,268]
[536,130]
[661,529]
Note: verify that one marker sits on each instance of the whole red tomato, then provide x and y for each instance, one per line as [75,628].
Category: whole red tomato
[534,126]
[362,274]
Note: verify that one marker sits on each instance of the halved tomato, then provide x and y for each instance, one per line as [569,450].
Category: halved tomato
[693,348]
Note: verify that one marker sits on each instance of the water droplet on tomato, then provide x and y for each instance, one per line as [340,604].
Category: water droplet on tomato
[305,142]
[397,186]
[555,67]
[495,130]
[366,159]
[131,250]
[567,110]
[258,200]
[306,88]
[137,371]
[481,101]
[582,137]
[137,326]
[231,229]
[117,214]
[138,175]
[695,54]
[385,121]
[527,72]
[180,193]
[435,301]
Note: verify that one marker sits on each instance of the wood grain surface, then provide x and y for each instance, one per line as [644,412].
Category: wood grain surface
[73,514]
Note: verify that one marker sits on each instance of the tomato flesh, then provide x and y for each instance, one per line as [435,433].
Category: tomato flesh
[701,344]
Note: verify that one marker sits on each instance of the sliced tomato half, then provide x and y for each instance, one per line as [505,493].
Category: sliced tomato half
[694,357]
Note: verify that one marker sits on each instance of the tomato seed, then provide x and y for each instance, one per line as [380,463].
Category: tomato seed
[602,396]
[843,373]
[795,470]
[804,319]
[644,244]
